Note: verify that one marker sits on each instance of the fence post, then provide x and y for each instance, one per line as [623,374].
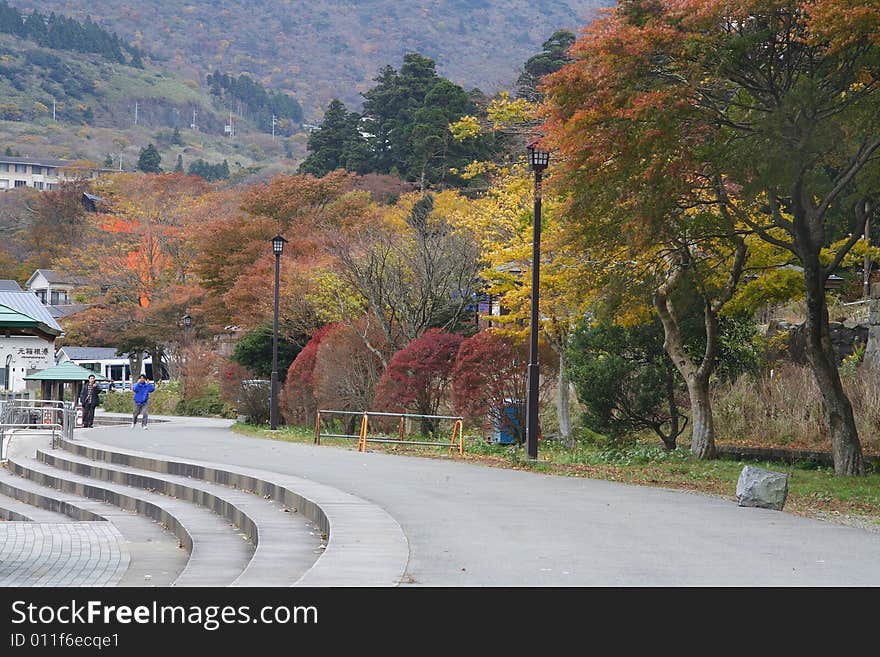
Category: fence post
[400,429]
[318,428]
[457,427]
[362,439]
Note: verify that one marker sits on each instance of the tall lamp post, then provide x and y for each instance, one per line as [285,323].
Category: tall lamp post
[187,323]
[184,360]
[538,161]
[278,243]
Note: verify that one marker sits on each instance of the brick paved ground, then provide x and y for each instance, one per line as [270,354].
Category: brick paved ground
[61,554]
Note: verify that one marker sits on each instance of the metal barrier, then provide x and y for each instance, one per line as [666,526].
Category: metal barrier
[363,436]
[28,415]
[6,436]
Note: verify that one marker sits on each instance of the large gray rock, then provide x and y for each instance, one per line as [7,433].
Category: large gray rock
[762,488]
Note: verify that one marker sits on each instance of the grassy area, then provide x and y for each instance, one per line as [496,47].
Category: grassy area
[813,491]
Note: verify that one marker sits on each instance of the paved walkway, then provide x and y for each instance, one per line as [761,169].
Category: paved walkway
[61,554]
[469,525]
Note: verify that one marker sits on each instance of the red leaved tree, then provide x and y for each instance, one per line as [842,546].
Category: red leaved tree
[418,377]
[489,373]
[347,369]
[298,403]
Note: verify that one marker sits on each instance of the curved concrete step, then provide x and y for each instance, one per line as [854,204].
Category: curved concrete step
[38,500]
[287,543]
[218,553]
[365,545]
[17,511]
[157,556]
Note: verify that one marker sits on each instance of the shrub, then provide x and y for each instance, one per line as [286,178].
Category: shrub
[625,381]
[490,372]
[784,407]
[162,402]
[254,396]
[208,404]
[418,376]
[346,370]
[298,404]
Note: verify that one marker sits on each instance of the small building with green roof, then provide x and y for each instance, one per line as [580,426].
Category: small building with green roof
[54,379]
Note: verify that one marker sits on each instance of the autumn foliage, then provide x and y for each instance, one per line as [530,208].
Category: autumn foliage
[418,377]
[298,402]
[490,372]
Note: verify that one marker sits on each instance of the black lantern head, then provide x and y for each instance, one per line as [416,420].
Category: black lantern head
[278,243]
[538,159]
[187,321]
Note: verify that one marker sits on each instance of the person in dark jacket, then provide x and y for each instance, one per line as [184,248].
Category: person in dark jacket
[141,390]
[88,398]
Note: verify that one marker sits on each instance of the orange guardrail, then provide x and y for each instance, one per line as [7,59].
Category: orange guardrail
[363,436]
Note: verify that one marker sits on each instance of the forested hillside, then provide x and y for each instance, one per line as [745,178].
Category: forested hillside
[332,48]
[72,89]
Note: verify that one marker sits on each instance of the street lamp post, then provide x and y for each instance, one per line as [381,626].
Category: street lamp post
[187,323]
[538,161]
[184,358]
[278,243]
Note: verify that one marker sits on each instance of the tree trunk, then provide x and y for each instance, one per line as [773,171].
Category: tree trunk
[669,440]
[696,376]
[563,399]
[702,422]
[156,357]
[135,362]
[846,449]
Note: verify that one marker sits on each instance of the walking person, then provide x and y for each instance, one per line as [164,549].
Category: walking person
[141,390]
[88,398]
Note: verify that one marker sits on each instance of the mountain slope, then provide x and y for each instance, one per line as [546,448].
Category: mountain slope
[61,104]
[334,48]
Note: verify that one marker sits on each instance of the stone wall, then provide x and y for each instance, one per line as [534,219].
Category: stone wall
[844,339]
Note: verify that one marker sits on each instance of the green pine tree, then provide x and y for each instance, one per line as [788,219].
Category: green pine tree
[149,160]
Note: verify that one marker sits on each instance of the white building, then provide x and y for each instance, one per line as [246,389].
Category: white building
[27,337]
[55,291]
[103,360]
[39,173]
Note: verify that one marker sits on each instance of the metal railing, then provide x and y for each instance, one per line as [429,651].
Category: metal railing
[22,416]
[363,437]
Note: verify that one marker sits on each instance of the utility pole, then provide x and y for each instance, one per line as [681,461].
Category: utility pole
[273,127]
[135,113]
[193,124]
[53,109]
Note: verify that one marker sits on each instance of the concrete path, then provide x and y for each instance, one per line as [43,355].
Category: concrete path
[469,525]
[61,554]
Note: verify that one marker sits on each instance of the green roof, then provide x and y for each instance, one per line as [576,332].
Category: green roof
[67,371]
[11,318]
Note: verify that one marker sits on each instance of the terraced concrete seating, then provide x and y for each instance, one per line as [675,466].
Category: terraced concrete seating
[365,546]
[286,546]
[157,556]
[300,533]
[218,553]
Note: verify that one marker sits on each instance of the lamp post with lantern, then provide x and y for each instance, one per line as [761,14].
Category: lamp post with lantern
[278,243]
[184,356]
[538,161]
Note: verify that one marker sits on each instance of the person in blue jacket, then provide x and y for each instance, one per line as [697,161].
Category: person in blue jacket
[141,390]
